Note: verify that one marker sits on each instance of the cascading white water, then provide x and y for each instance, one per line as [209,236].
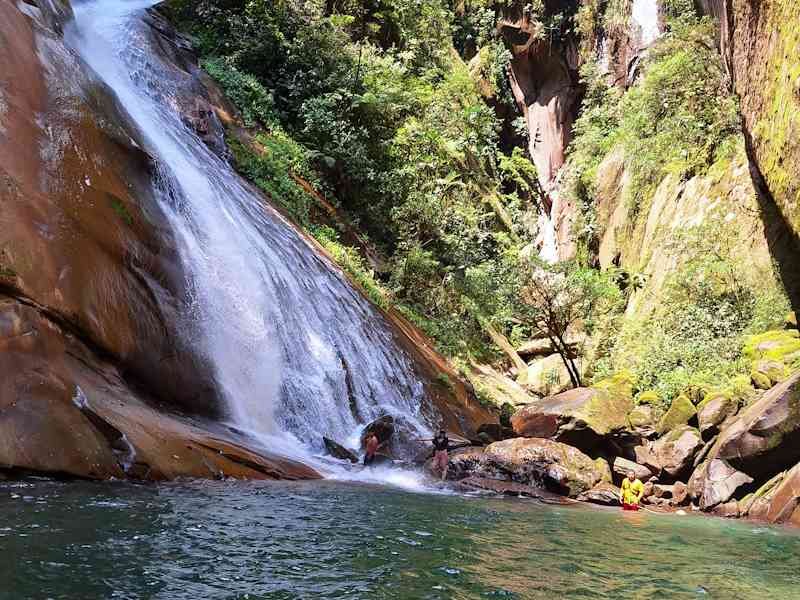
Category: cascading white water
[645,17]
[295,348]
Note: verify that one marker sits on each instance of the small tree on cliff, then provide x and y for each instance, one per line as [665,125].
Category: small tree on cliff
[560,298]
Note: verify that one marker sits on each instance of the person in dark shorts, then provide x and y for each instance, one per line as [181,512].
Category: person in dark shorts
[440,459]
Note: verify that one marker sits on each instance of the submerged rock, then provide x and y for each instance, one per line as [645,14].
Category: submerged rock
[507,488]
[532,461]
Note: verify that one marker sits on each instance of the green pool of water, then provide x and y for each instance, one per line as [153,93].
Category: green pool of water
[337,540]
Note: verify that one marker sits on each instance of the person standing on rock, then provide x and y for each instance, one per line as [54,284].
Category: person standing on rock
[441,443]
[371,447]
[631,492]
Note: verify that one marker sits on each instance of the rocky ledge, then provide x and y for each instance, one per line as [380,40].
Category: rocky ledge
[714,452]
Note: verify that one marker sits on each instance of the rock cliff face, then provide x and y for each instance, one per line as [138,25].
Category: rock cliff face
[95,371]
[760,42]
[90,287]
[545,81]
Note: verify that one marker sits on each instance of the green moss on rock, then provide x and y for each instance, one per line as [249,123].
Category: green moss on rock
[650,397]
[772,345]
[680,413]
[760,380]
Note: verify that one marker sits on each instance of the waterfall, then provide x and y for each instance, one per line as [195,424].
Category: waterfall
[297,352]
[645,17]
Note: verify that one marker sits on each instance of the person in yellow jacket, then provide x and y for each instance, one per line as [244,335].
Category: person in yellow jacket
[631,492]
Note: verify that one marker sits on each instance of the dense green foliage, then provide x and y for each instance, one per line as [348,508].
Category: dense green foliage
[400,113]
[371,103]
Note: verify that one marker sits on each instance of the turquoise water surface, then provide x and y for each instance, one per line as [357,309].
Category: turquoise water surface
[337,540]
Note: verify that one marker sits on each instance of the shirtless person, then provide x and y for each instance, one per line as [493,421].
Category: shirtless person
[372,444]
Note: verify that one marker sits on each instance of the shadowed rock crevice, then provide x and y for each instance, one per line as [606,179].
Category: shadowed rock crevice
[782,240]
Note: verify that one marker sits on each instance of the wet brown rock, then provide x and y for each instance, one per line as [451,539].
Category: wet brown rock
[77,197]
[67,411]
[85,246]
[336,450]
[603,493]
[557,467]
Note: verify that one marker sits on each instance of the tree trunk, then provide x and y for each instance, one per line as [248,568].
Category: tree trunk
[502,342]
[563,352]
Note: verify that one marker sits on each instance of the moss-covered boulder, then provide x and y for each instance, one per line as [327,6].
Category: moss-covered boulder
[643,416]
[582,417]
[768,373]
[604,469]
[772,345]
[760,380]
[649,398]
[680,412]
[545,376]
[557,467]
[760,441]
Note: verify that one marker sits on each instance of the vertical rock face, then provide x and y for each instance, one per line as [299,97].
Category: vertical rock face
[544,79]
[81,236]
[760,42]
[545,82]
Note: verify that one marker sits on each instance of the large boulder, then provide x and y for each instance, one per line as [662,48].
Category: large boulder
[532,461]
[382,428]
[673,453]
[680,412]
[582,417]
[713,411]
[546,376]
[623,466]
[718,482]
